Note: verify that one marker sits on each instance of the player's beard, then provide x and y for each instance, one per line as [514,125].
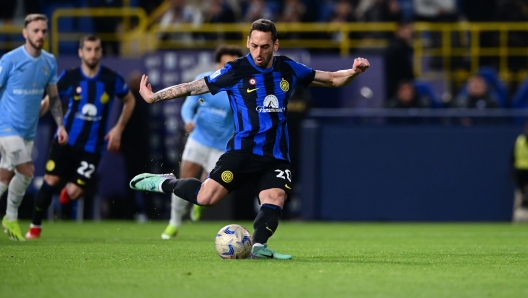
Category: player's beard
[265,61]
[35,46]
[92,65]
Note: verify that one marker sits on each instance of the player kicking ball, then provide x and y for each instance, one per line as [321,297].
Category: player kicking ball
[259,86]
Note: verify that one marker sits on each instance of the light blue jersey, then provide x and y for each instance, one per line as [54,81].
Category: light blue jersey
[23,80]
[212,116]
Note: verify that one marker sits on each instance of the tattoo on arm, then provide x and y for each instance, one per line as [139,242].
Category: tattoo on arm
[181,90]
[56,109]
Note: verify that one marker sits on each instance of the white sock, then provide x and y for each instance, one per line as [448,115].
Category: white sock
[34,226]
[17,189]
[258,244]
[178,208]
[3,188]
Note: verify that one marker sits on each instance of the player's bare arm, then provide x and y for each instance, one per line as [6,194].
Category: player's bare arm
[342,77]
[44,106]
[181,90]
[56,111]
[114,135]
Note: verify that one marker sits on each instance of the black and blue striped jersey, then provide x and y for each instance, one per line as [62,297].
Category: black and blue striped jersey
[89,104]
[259,100]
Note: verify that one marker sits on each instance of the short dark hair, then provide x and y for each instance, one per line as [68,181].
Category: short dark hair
[88,37]
[34,17]
[227,50]
[264,25]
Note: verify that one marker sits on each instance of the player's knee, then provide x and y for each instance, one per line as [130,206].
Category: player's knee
[205,198]
[274,196]
[74,191]
[52,180]
[26,169]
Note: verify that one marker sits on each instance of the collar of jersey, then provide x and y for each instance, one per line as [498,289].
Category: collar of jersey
[264,70]
[28,55]
[95,77]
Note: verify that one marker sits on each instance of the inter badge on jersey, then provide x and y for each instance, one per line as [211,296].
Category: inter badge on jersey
[252,81]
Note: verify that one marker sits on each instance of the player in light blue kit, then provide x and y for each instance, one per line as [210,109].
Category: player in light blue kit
[25,73]
[209,119]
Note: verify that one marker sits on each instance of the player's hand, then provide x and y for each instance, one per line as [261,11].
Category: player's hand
[189,127]
[62,135]
[114,139]
[360,65]
[145,89]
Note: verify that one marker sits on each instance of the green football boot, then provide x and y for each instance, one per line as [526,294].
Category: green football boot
[196,212]
[12,229]
[150,182]
[263,252]
[170,232]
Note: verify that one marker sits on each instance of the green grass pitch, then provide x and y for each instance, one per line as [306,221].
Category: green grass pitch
[125,259]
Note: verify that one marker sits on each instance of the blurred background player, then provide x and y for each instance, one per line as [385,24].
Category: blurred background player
[519,163]
[25,73]
[209,120]
[90,89]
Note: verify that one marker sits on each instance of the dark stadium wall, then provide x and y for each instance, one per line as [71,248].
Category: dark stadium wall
[406,173]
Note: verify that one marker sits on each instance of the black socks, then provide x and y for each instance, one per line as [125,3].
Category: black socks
[42,202]
[266,223]
[186,188]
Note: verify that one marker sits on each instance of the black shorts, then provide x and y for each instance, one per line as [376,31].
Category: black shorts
[72,164]
[237,169]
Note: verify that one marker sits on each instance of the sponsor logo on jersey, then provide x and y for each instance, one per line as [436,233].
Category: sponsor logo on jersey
[271,105]
[88,113]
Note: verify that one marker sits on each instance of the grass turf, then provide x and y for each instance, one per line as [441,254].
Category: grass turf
[125,259]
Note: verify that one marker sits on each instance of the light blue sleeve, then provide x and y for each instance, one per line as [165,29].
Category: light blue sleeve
[5,69]
[189,108]
[53,73]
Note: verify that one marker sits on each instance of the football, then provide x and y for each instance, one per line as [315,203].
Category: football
[233,242]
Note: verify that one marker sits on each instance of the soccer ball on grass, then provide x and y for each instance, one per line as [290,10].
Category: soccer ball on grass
[233,242]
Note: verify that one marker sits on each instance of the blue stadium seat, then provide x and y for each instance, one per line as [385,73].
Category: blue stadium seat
[520,98]
[425,89]
[496,87]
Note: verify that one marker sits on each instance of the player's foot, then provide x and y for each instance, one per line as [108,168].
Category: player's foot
[196,212]
[520,215]
[34,232]
[12,229]
[150,182]
[263,252]
[170,232]
[63,197]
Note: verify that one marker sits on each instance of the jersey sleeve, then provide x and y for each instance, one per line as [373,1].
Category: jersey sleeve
[62,84]
[304,73]
[53,72]
[5,68]
[221,80]
[121,87]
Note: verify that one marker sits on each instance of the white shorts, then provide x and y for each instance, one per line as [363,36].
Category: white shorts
[201,155]
[14,151]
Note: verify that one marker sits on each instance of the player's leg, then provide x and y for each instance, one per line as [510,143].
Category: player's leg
[520,213]
[57,166]
[197,210]
[5,177]
[208,193]
[188,169]
[209,163]
[274,189]
[18,153]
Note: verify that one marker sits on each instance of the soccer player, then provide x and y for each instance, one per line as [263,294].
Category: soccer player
[25,73]
[259,86]
[209,119]
[90,90]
